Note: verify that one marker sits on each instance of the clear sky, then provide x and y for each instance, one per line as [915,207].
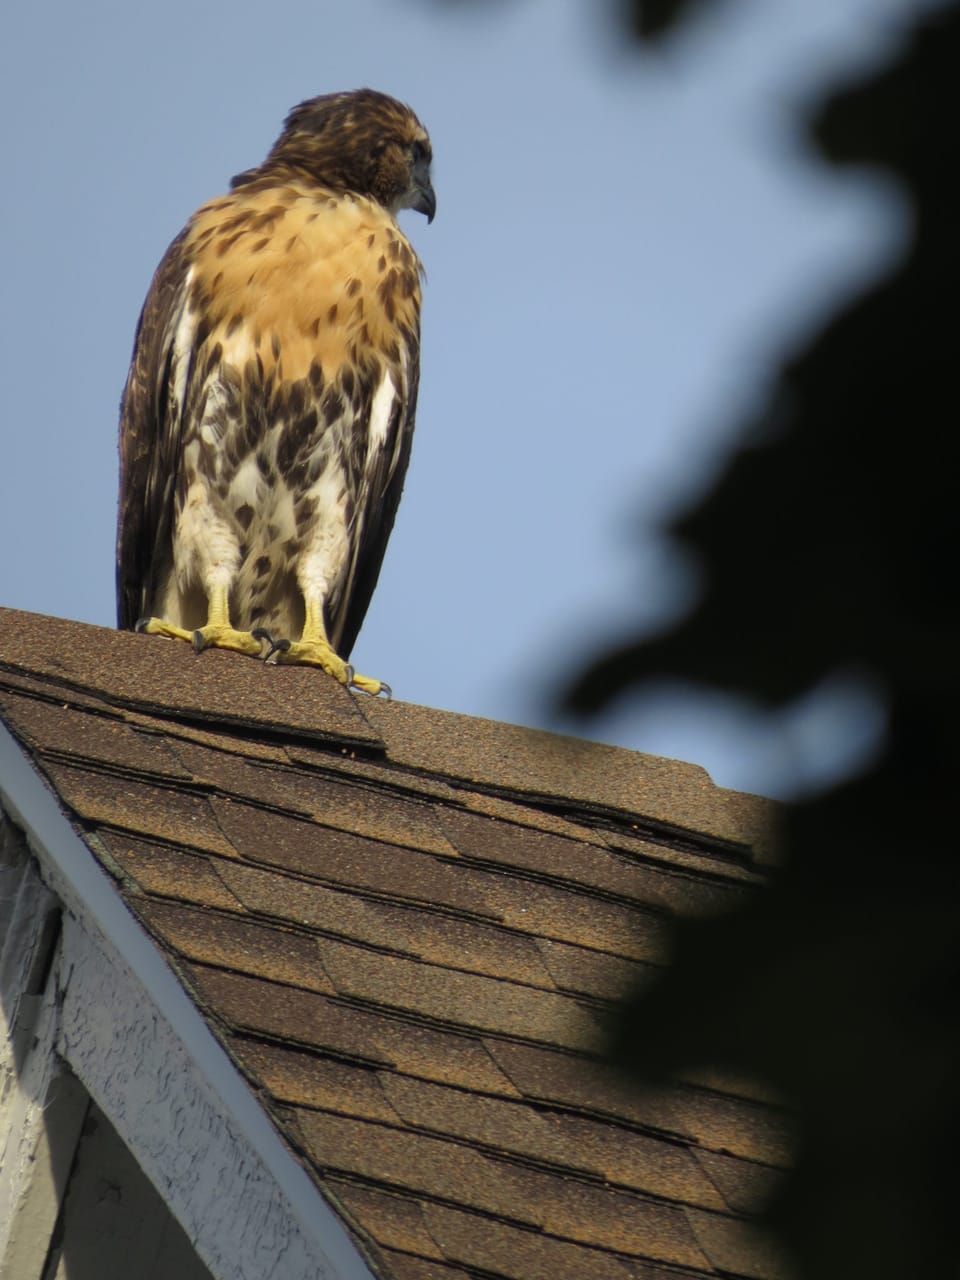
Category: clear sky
[625,247]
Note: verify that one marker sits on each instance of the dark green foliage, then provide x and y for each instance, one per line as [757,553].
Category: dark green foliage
[649,19]
[831,543]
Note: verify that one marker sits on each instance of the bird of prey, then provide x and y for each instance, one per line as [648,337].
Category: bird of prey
[267,417]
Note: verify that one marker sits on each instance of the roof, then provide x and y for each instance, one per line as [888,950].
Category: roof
[407,928]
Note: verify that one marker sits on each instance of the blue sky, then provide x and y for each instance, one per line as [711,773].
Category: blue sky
[625,247]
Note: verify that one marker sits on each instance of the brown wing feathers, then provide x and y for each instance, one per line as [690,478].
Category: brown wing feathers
[149,441]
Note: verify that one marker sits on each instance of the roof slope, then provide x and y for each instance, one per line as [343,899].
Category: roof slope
[407,928]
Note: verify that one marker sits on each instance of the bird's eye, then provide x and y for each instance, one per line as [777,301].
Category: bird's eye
[418,152]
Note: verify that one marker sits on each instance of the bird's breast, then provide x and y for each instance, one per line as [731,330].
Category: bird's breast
[300,283]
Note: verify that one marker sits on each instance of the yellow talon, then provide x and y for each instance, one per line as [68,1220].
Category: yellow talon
[217,634]
[374,687]
[315,650]
[214,636]
[319,652]
[159,627]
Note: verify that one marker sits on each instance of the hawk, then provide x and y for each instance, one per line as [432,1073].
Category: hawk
[267,417]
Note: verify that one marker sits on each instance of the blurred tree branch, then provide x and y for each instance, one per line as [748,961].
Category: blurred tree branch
[650,19]
[642,19]
[831,542]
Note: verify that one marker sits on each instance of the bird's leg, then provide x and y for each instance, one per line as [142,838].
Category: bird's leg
[218,632]
[314,649]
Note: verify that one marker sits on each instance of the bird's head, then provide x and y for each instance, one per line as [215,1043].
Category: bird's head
[363,141]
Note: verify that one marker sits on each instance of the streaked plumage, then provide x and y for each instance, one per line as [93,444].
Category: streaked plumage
[267,418]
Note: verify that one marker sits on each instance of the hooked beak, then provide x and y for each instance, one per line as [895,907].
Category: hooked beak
[426,201]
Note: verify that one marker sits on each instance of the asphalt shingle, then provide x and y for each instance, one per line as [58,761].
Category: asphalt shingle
[408,928]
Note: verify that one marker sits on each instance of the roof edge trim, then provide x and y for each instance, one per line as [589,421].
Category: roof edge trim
[145,995]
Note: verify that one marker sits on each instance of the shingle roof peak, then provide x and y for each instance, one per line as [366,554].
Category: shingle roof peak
[407,928]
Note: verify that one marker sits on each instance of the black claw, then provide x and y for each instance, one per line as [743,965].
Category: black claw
[198,643]
[386,691]
[350,675]
[276,646]
[141,623]
[263,635]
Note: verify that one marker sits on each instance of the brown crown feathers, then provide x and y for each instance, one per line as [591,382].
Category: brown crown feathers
[361,141]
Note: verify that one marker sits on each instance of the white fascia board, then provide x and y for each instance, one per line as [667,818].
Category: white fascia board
[136,1040]
[42,1104]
